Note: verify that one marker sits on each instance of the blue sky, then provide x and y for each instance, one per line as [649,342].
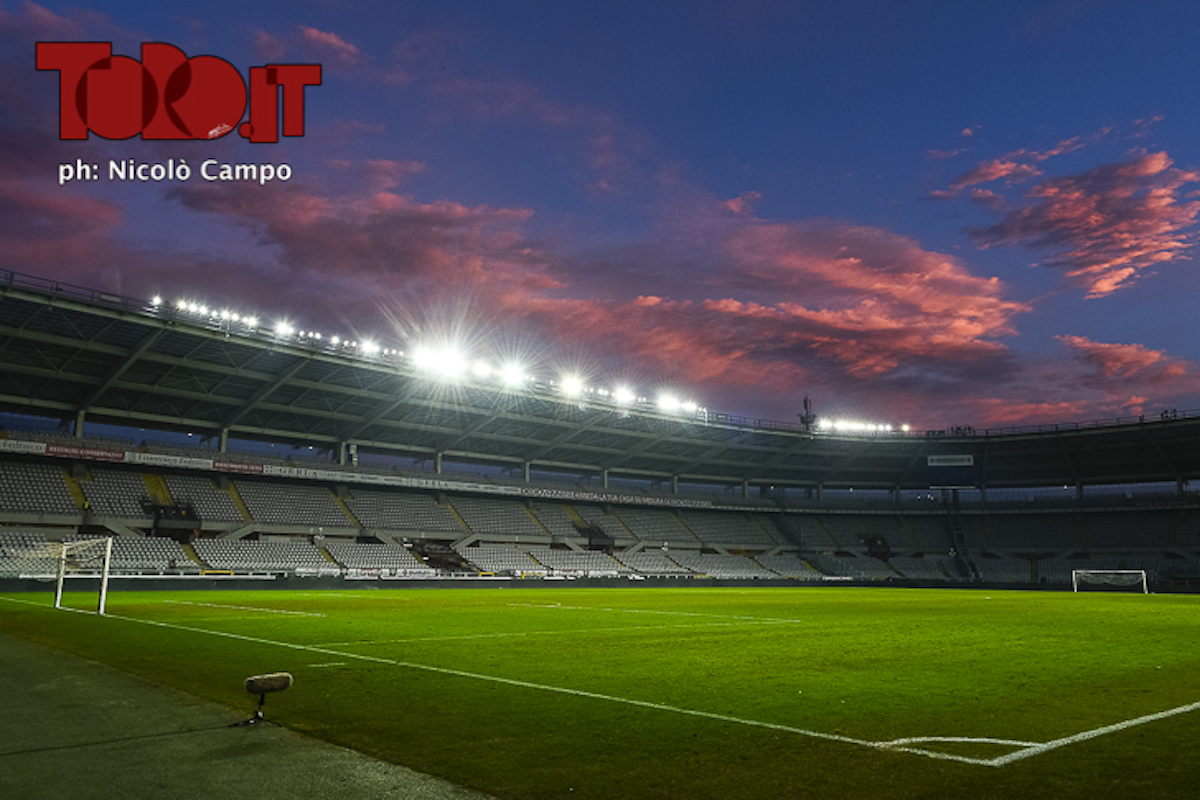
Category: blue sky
[936,213]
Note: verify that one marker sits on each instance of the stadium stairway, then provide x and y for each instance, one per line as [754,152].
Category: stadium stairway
[76,491]
[157,487]
[238,502]
[345,509]
[454,513]
[190,552]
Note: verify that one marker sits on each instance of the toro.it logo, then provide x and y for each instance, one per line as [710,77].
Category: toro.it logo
[167,95]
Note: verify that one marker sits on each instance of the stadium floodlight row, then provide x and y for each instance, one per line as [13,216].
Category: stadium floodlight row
[83,356]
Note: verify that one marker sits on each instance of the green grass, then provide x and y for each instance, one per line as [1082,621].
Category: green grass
[458,683]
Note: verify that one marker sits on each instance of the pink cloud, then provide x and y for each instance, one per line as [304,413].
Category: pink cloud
[1015,167]
[269,47]
[380,243]
[1105,226]
[743,203]
[1126,361]
[331,45]
[988,171]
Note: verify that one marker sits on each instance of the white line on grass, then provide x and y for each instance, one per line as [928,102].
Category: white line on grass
[244,608]
[561,607]
[566,632]
[1028,749]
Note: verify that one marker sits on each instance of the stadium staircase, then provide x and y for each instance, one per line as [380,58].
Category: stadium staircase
[529,513]
[238,502]
[190,552]
[454,512]
[345,509]
[157,487]
[76,491]
[789,533]
[579,522]
[958,537]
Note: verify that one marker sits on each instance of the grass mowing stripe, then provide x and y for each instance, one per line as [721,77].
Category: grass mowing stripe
[561,607]
[574,631]
[244,608]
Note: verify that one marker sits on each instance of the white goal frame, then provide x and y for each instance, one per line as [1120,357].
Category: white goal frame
[1075,573]
[64,552]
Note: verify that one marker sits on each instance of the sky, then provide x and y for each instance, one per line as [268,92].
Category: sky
[939,213]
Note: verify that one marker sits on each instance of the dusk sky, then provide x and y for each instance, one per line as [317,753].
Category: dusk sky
[944,213]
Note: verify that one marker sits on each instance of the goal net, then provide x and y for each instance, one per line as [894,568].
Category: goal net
[84,558]
[1115,578]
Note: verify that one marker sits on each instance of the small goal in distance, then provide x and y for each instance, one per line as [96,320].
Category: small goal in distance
[1122,578]
[90,557]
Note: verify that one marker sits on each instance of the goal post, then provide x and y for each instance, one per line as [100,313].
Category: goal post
[1109,577]
[86,555]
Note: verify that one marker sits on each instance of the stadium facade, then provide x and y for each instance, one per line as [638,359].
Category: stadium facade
[256,448]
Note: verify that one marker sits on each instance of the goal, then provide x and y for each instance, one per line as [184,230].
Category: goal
[1082,578]
[82,558]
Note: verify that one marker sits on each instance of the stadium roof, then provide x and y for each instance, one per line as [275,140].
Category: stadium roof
[66,351]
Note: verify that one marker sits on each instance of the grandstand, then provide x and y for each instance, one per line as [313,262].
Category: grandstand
[334,462]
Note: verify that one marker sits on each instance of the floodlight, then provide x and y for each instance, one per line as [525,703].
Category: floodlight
[623,396]
[251,322]
[156,301]
[512,375]
[481,369]
[446,362]
[368,347]
[572,386]
[284,329]
[451,364]
[668,402]
[690,407]
[424,358]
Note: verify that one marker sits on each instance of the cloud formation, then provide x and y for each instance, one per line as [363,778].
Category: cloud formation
[1131,378]
[1105,226]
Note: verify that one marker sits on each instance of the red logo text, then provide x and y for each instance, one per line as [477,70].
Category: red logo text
[167,95]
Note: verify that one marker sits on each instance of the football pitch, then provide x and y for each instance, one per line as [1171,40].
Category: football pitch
[693,692]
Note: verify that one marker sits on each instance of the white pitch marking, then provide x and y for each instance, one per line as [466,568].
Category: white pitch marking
[1094,733]
[561,607]
[1027,752]
[573,631]
[328,664]
[244,608]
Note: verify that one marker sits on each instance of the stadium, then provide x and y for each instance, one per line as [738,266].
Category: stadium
[603,585]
